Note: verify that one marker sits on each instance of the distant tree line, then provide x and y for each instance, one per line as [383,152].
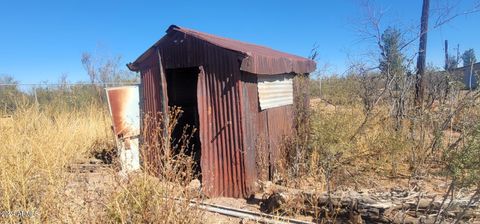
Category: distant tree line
[64,95]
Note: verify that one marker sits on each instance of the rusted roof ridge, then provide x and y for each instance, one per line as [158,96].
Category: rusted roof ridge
[259,59]
[235,45]
[256,59]
[133,66]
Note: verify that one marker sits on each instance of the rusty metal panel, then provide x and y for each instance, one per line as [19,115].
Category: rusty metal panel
[124,108]
[275,90]
[254,58]
[254,136]
[259,59]
[151,107]
[125,112]
[222,162]
[280,123]
[265,130]
[220,129]
[150,89]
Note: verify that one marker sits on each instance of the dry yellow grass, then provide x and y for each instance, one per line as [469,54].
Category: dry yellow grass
[148,199]
[36,147]
[376,150]
[36,185]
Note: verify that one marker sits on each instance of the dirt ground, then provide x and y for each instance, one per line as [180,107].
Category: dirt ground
[91,182]
[87,191]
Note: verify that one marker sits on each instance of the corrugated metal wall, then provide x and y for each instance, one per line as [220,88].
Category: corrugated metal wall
[222,159]
[253,129]
[150,78]
[221,136]
[150,101]
[264,130]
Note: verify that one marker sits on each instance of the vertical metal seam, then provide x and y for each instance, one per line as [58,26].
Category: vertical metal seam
[228,109]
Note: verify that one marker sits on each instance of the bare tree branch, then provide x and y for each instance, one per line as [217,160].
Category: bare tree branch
[446,14]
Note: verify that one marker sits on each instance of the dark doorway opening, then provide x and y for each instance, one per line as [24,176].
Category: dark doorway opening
[182,93]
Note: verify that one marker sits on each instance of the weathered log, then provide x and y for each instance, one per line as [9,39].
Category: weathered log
[396,207]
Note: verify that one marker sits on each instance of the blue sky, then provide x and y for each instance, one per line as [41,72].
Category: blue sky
[41,40]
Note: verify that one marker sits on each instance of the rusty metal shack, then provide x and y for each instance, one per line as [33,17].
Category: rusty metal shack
[239,95]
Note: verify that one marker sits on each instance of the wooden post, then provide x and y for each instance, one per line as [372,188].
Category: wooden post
[448,68]
[470,76]
[320,87]
[164,103]
[422,55]
[35,93]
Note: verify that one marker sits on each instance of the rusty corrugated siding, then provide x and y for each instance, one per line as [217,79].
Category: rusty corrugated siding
[255,134]
[150,81]
[222,159]
[231,124]
[264,131]
[280,123]
[151,101]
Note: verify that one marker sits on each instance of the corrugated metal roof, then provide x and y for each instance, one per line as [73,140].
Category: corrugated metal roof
[256,59]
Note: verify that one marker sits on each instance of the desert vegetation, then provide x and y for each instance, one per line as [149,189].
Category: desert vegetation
[362,132]
[60,163]
[50,144]
[389,141]
[354,137]
[385,124]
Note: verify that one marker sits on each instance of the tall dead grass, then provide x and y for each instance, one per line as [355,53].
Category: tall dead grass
[36,148]
[163,191]
[39,146]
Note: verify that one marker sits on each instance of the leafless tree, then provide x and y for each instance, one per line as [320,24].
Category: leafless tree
[89,66]
[106,70]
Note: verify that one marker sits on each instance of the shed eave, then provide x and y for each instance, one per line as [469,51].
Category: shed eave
[255,59]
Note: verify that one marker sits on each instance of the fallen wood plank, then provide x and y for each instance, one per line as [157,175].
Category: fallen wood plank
[245,214]
[397,208]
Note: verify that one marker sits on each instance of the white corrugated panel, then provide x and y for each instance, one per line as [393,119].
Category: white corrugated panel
[275,90]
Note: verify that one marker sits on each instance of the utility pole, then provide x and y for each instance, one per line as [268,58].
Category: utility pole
[422,55]
[446,56]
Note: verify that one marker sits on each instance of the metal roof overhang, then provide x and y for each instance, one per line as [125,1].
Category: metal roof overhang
[256,59]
